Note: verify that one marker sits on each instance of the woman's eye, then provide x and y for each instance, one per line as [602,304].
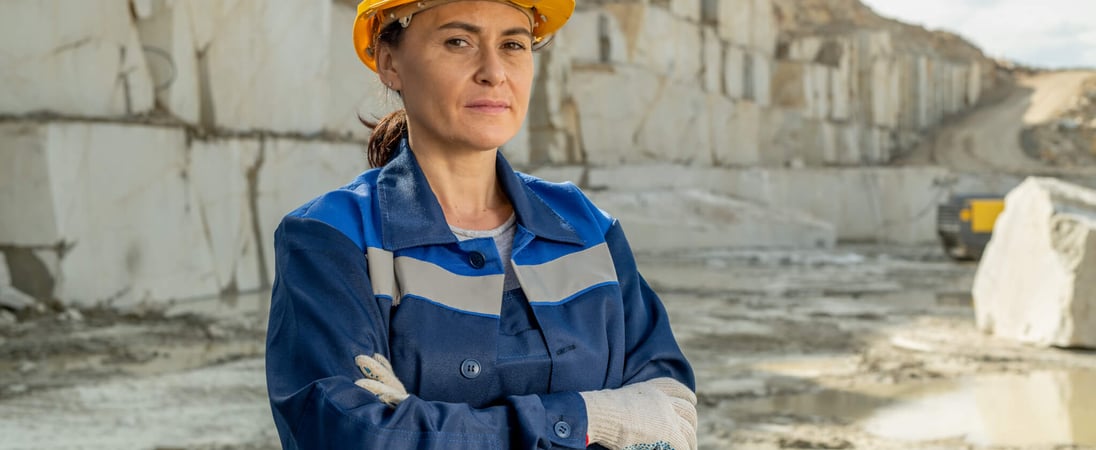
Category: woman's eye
[457,42]
[514,46]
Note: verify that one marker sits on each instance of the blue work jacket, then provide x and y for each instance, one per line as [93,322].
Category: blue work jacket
[374,268]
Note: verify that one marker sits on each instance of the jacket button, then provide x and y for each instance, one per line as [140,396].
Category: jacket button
[477,260]
[470,368]
[563,429]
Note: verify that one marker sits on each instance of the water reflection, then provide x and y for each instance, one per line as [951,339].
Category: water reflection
[1041,408]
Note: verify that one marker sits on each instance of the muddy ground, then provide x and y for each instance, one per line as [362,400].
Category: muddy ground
[856,347]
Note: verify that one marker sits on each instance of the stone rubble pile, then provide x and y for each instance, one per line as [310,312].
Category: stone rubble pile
[1068,138]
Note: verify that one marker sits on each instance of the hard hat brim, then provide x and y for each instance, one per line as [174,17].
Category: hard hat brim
[549,16]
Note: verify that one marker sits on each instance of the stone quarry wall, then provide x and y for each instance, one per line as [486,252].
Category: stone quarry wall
[742,83]
[148,148]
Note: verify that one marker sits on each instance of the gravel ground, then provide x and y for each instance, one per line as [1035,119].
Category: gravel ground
[855,347]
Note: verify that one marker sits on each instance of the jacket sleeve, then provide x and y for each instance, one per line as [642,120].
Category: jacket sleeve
[651,351]
[323,313]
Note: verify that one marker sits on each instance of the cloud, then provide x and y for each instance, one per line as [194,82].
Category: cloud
[1050,33]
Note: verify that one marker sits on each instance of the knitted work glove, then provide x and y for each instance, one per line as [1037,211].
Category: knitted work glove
[658,414]
[380,379]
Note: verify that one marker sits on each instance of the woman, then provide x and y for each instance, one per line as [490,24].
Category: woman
[444,301]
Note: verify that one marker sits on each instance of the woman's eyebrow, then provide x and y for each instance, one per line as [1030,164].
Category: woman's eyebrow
[474,29]
[518,31]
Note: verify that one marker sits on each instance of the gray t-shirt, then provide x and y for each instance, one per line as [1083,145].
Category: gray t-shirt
[504,241]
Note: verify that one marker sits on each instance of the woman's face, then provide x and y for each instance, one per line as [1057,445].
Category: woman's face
[464,71]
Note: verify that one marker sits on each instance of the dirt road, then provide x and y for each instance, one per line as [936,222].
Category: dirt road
[858,347]
[988,139]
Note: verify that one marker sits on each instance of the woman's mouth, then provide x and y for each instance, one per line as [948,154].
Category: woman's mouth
[488,106]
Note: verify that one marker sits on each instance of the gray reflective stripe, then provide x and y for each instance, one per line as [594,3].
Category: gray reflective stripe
[480,295]
[382,273]
[559,279]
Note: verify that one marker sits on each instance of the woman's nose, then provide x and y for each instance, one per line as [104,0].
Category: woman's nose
[491,72]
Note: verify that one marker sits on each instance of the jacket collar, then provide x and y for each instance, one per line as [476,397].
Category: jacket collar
[411,215]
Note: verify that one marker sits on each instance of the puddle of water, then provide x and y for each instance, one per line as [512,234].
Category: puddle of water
[810,367]
[1041,408]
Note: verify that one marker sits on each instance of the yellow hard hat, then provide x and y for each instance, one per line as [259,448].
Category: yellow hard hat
[373,15]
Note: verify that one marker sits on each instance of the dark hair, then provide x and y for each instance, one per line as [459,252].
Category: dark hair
[387,132]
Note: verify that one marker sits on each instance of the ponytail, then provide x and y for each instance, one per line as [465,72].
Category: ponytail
[385,139]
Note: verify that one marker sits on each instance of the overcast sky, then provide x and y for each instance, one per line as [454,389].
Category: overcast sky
[1047,33]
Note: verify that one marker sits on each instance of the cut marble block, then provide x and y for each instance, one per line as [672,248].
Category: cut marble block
[79,58]
[1036,282]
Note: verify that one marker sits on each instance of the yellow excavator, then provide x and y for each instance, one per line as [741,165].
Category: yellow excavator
[965,224]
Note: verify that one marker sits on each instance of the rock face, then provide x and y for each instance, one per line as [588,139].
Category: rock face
[120,214]
[696,219]
[1037,279]
[150,147]
[81,58]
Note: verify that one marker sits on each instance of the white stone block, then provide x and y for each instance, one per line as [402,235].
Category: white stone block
[75,58]
[804,48]
[817,80]
[5,274]
[712,61]
[133,237]
[886,95]
[847,144]
[611,107]
[923,91]
[1036,282]
[974,84]
[169,223]
[909,115]
[736,132]
[696,219]
[166,33]
[583,35]
[790,86]
[264,65]
[874,44]
[686,9]
[686,63]
[143,8]
[882,205]
[841,93]
[223,180]
[128,232]
[725,143]
[294,172]
[676,127]
[27,213]
[764,30]
[659,41]
[735,17]
[803,140]
[864,204]
[957,89]
[761,78]
[827,143]
[877,145]
[734,72]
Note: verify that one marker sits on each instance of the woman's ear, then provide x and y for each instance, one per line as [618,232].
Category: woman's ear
[388,68]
